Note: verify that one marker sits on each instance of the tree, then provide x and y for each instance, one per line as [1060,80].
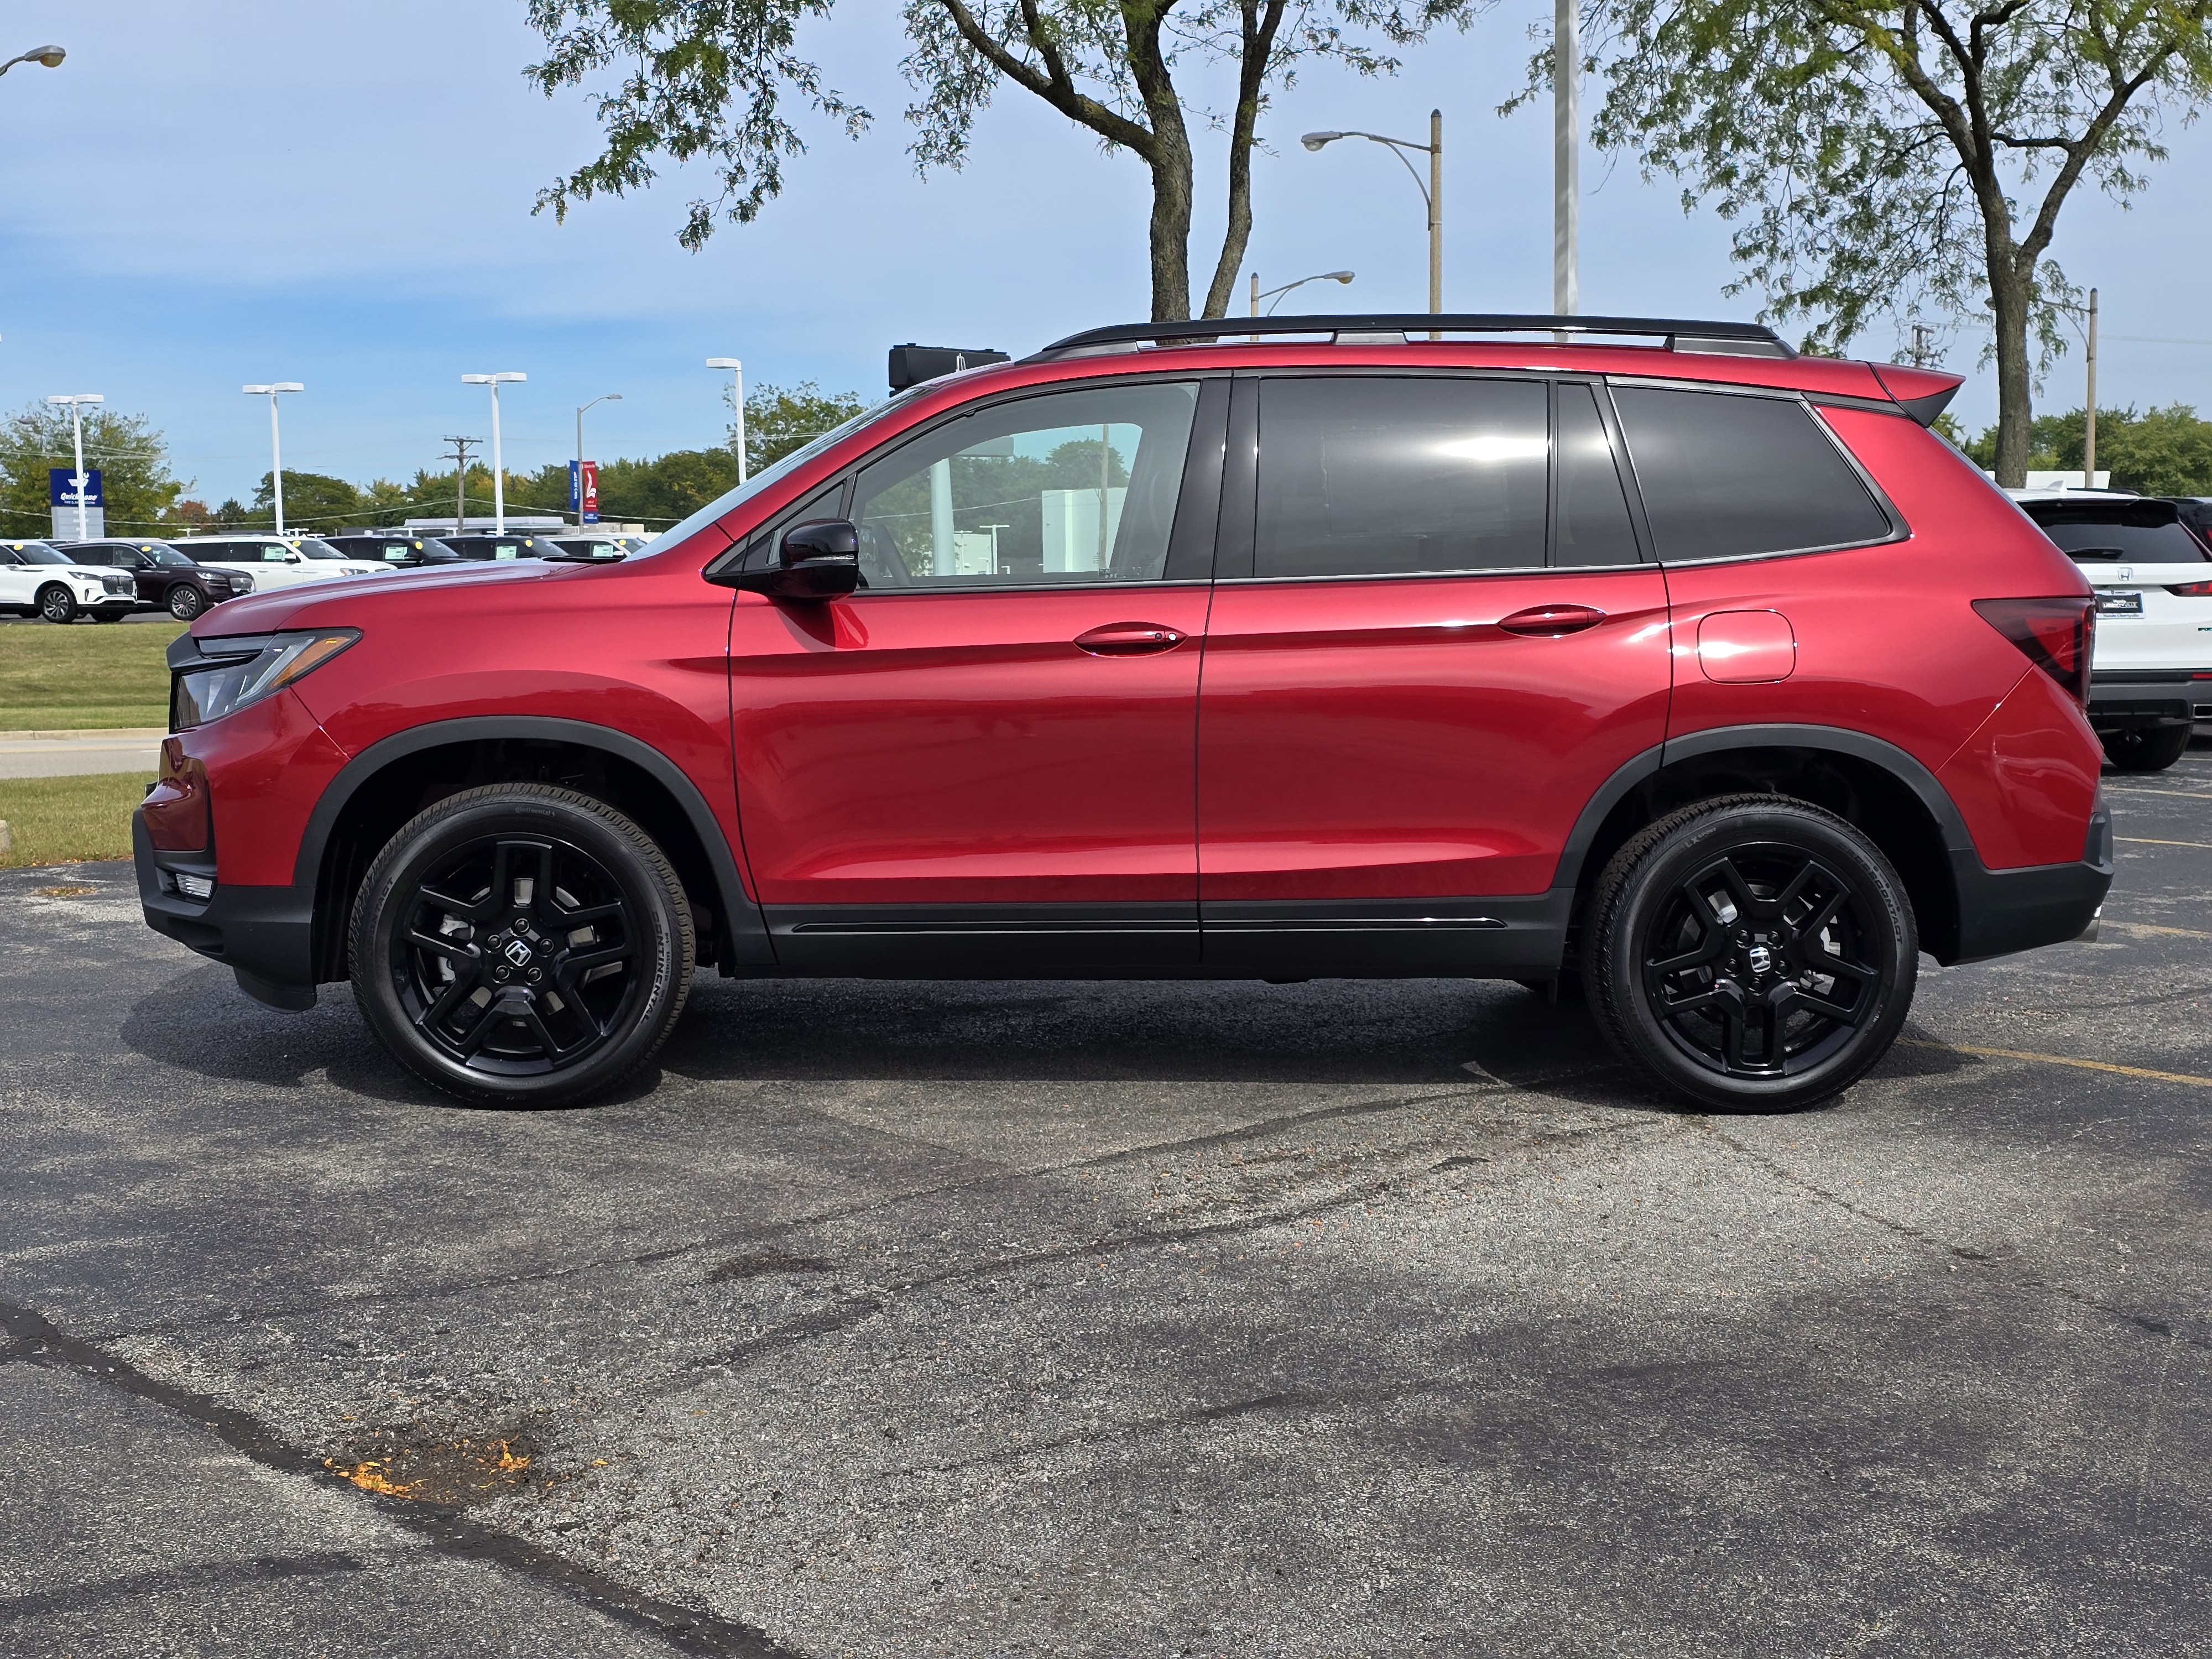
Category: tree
[780,419]
[1879,156]
[133,460]
[314,501]
[2160,451]
[708,79]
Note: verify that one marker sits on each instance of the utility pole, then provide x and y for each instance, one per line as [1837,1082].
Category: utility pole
[2089,405]
[1923,346]
[1437,211]
[461,481]
[1566,147]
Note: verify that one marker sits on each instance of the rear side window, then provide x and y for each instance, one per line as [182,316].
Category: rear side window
[1725,474]
[1593,528]
[1395,476]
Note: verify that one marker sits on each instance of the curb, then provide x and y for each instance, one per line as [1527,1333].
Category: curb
[142,733]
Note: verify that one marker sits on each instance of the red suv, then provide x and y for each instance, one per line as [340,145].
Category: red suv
[1697,669]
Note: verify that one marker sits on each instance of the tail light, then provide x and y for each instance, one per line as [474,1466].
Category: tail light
[2055,634]
[2193,590]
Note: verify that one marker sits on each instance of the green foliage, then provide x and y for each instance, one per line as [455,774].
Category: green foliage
[2159,451]
[780,419]
[312,501]
[133,460]
[655,493]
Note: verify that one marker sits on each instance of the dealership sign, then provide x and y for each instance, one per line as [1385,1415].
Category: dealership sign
[80,514]
[584,491]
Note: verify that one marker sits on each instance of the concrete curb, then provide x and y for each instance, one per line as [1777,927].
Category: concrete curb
[142,733]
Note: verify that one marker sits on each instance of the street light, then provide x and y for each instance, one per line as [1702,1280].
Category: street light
[1433,193]
[737,400]
[50,56]
[76,401]
[1274,294]
[498,476]
[603,398]
[275,449]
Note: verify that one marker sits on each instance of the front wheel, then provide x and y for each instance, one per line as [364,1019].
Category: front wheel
[56,604]
[187,602]
[2147,748]
[521,945]
[1752,952]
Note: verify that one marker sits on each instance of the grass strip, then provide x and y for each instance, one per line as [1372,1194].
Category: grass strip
[84,675]
[61,820]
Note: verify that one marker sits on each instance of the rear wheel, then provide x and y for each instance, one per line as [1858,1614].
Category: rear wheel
[56,604]
[521,946]
[187,602]
[2147,748]
[1751,952]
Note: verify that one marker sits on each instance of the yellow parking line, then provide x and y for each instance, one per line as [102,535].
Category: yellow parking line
[2147,840]
[2184,795]
[2146,927]
[2060,1060]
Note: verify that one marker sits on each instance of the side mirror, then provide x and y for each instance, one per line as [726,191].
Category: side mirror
[818,560]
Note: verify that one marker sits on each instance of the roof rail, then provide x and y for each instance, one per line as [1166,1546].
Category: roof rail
[1682,334]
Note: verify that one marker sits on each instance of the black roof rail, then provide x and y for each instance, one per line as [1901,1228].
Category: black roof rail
[1682,334]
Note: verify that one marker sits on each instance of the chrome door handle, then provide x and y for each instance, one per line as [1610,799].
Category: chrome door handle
[1549,622]
[1129,639]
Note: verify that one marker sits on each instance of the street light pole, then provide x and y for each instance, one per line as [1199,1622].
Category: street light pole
[1566,148]
[276,447]
[76,402]
[1272,292]
[603,398]
[737,401]
[498,471]
[2089,406]
[50,56]
[1432,193]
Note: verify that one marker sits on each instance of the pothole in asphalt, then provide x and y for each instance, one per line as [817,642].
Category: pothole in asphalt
[455,1473]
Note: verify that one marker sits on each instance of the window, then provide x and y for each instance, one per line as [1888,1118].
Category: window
[1391,476]
[1724,475]
[1068,488]
[2149,533]
[1593,527]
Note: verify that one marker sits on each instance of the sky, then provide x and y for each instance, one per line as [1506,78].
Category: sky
[209,195]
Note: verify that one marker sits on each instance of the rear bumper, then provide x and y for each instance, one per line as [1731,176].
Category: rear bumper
[264,935]
[2132,699]
[2004,911]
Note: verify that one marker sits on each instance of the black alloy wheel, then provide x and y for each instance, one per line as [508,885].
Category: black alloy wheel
[186,601]
[2147,748]
[1750,952]
[56,604]
[521,945]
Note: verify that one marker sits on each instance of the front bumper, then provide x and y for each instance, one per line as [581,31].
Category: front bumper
[264,935]
[2134,699]
[2004,911]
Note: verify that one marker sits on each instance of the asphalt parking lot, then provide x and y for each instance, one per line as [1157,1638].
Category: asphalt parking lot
[1042,1319]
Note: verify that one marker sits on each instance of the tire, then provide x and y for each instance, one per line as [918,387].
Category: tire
[433,937]
[186,601]
[56,604]
[2147,748]
[1774,1016]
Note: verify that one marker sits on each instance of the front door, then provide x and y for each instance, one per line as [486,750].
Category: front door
[1440,643]
[987,753]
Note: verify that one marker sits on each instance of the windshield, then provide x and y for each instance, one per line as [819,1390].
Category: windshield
[770,474]
[316,549]
[2148,532]
[164,556]
[39,553]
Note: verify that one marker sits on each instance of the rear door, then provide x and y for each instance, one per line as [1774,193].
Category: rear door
[986,754]
[1434,638]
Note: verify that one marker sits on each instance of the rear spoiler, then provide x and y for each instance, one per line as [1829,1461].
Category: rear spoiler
[1923,393]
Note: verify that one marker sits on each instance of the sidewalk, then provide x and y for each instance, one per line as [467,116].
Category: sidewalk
[69,754]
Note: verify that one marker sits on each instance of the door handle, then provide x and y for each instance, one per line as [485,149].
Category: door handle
[1549,622]
[1128,639]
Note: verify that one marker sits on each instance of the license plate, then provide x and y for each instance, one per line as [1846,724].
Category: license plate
[2119,604]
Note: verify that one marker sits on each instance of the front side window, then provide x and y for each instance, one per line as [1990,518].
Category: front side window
[1725,474]
[1398,475]
[1068,488]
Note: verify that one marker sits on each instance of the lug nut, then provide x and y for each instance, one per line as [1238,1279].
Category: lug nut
[536,975]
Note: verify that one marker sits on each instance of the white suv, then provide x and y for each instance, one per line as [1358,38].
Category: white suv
[2151,675]
[38,580]
[275,560]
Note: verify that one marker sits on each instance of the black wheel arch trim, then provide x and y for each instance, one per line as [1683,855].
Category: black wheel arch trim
[746,935]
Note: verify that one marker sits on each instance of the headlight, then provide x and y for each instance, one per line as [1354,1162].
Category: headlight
[89,575]
[226,675]
[241,582]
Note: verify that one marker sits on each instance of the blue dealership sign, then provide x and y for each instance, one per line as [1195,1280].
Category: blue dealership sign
[61,487]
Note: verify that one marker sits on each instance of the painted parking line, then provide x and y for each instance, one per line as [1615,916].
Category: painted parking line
[2147,928]
[2058,1059]
[2184,795]
[2147,840]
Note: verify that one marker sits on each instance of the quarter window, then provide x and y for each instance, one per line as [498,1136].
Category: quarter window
[1391,476]
[1069,488]
[1725,474]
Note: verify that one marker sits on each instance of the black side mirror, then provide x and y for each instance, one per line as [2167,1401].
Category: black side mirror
[818,560]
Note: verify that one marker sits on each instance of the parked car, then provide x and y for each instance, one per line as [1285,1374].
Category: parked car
[509,544]
[2152,678]
[275,562]
[165,580]
[36,578]
[1697,669]
[395,549]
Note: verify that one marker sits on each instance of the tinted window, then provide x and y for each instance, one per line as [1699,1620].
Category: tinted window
[1394,476]
[39,553]
[2149,532]
[315,548]
[1071,487]
[1594,526]
[1723,476]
